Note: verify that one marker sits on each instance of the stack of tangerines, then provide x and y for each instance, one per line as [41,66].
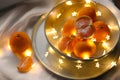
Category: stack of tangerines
[78,34]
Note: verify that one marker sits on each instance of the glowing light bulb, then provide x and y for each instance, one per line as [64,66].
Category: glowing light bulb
[46,54]
[69,3]
[86,55]
[97,65]
[61,61]
[28,52]
[104,52]
[106,45]
[58,16]
[1,52]
[78,61]
[99,13]
[79,66]
[87,3]
[113,63]
[108,37]
[74,13]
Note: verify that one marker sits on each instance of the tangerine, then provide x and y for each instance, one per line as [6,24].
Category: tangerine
[20,42]
[84,49]
[89,11]
[69,28]
[102,31]
[65,44]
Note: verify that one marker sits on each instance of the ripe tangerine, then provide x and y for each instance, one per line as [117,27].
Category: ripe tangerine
[89,11]
[102,31]
[84,49]
[69,28]
[20,42]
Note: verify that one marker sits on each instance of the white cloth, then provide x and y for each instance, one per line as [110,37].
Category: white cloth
[19,18]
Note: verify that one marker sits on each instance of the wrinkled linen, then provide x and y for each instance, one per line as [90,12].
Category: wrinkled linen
[22,17]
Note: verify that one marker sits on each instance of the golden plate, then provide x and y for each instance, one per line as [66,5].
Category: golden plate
[74,69]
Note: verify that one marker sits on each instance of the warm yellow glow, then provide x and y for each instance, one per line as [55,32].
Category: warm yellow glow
[35,68]
[79,66]
[88,3]
[53,14]
[1,52]
[61,61]
[90,43]
[28,52]
[93,39]
[8,46]
[99,13]
[113,27]
[96,60]
[46,54]
[110,26]
[113,63]
[50,50]
[58,16]
[97,65]
[86,55]
[68,54]
[63,57]
[33,65]
[108,37]
[74,13]
[74,33]
[78,61]
[106,45]
[55,37]
[52,31]
[104,52]
[69,3]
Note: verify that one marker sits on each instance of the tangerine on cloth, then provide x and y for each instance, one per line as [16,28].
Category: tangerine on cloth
[22,16]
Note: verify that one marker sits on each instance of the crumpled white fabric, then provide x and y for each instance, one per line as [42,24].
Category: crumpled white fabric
[20,18]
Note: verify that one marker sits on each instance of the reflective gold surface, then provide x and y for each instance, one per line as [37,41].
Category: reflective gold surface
[67,67]
[63,12]
[73,69]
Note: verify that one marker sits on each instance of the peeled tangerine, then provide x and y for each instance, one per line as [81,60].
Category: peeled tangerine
[89,11]
[84,27]
[19,43]
[102,31]
[84,49]
[25,64]
[69,28]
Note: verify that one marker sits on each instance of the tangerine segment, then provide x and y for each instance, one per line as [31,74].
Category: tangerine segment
[84,49]
[102,31]
[20,42]
[69,28]
[25,64]
[89,11]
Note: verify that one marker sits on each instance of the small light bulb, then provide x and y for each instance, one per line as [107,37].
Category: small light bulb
[28,52]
